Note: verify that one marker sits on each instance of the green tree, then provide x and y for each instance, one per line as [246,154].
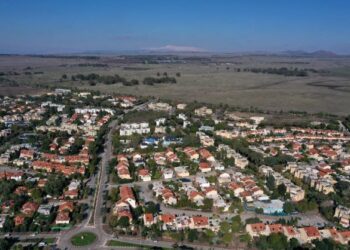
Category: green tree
[227,238]
[277,241]
[281,189]
[270,183]
[328,244]
[245,238]
[114,194]
[151,207]
[209,234]
[293,243]
[8,225]
[55,184]
[5,244]
[37,195]
[252,220]
[123,222]
[225,227]
[113,221]
[236,224]
[192,235]
[207,204]
[288,207]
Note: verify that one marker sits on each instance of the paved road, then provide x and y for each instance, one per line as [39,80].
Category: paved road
[94,222]
[343,128]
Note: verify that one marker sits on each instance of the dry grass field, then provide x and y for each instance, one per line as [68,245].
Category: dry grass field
[216,81]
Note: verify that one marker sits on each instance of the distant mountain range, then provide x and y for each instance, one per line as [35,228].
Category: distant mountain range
[317,53]
[178,50]
[194,51]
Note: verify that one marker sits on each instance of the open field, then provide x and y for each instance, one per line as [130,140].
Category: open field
[20,90]
[208,79]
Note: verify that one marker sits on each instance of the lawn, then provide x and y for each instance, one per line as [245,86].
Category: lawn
[50,240]
[83,239]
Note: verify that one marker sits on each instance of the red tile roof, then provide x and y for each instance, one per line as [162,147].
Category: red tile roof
[126,192]
[29,208]
[312,231]
[200,220]
[258,227]
[167,218]
[66,206]
[276,228]
[19,220]
[62,216]
[290,230]
[204,165]
[148,217]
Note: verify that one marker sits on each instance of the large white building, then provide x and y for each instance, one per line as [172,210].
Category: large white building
[127,129]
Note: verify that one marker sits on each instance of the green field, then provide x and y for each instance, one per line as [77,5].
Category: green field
[50,241]
[83,239]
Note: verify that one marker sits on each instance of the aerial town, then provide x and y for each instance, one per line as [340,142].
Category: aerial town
[174,125]
[124,171]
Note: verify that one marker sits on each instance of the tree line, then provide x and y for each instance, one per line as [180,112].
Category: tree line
[94,78]
[278,71]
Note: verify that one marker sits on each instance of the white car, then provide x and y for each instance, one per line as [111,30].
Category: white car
[42,244]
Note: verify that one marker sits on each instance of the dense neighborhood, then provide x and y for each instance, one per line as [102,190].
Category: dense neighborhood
[178,173]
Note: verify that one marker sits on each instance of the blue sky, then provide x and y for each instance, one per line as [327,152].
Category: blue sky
[55,26]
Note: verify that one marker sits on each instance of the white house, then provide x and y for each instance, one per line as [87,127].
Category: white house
[168,173]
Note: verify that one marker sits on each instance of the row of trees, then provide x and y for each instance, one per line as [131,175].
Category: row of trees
[94,78]
[277,71]
[178,74]
[154,80]
[280,241]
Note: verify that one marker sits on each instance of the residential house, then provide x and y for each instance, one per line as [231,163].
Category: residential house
[144,175]
[29,208]
[181,171]
[199,222]
[62,218]
[343,214]
[256,229]
[196,197]
[45,209]
[148,219]
[307,234]
[168,220]
[19,220]
[127,195]
[204,167]
[203,111]
[167,173]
